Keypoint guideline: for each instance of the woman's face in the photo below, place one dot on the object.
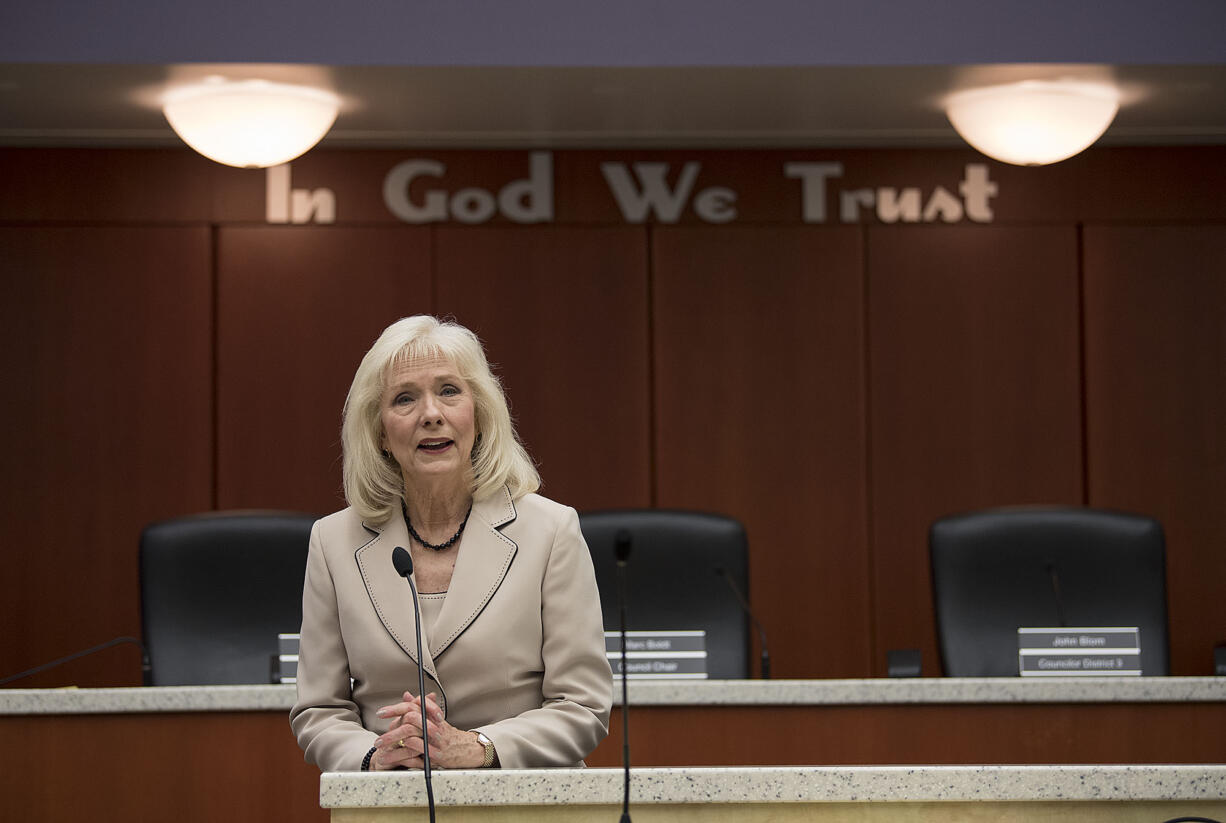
(429, 422)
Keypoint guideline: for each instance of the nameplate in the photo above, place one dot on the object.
(1079, 652)
(659, 655)
(285, 664)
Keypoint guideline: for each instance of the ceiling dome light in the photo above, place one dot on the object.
(1034, 122)
(250, 123)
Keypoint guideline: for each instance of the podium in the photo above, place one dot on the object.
(880, 794)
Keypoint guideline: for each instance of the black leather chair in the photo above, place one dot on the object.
(998, 570)
(216, 590)
(672, 578)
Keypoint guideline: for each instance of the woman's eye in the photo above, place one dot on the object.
(450, 391)
(402, 399)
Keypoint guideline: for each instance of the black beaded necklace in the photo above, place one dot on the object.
(438, 547)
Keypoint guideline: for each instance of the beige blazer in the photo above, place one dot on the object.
(517, 651)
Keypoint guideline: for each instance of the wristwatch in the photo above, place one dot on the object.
(490, 754)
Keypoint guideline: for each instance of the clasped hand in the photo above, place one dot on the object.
(402, 745)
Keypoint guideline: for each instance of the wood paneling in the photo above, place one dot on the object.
(1156, 408)
(563, 315)
(835, 386)
(759, 390)
(106, 348)
(975, 393)
(1150, 184)
(917, 734)
(297, 309)
(245, 766)
(192, 767)
(146, 186)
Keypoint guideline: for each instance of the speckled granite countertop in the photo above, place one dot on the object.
(799, 784)
(933, 690)
(147, 699)
(928, 690)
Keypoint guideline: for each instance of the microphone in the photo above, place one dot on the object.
(1052, 575)
(403, 562)
(621, 550)
(144, 660)
(765, 663)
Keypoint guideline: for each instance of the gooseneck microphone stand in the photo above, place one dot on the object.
(765, 667)
(403, 562)
(621, 550)
(144, 660)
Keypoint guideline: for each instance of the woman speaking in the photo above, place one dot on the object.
(513, 649)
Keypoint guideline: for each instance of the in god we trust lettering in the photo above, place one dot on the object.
(649, 194)
(891, 204)
(642, 192)
(283, 204)
(521, 201)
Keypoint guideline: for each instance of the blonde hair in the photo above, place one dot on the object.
(374, 485)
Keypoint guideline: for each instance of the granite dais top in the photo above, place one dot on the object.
(794, 784)
(933, 690)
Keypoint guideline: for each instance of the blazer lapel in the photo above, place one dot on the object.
(390, 595)
(484, 558)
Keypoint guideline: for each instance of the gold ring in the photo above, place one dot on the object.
(400, 743)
